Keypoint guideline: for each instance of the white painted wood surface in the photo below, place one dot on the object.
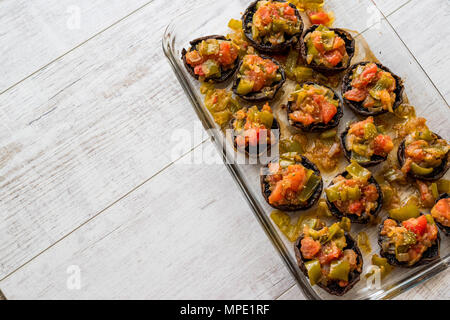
(79, 187)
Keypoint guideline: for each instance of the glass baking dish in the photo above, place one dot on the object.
(369, 25)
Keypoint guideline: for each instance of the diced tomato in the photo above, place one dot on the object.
(309, 247)
(198, 70)
(338, 43)
(295, 178)
(329, 252)
(416, 225)
(320, 17)
(193, 58)
(333, 57)
(264, 13)
(356, 94)
(358, 127)
(289, 11)
(328, 111)
(277, 193)
(304, 118)
(415, 150)
(383, 144)
(355, 207)
(369, 74)
(371, 192)
(442, 209)
(225, 57)
(317, 42)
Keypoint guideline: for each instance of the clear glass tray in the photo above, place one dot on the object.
(369, 24)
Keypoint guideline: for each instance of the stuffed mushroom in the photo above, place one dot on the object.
(314, 108)
(253, 130)
(211, 58)
(441, 213)
(423, 155)
(327, 50)
(291, 183)
(272, 26)
(329, 257)
(371, 89)
(410, 243)
(365, 143)
(354, 194)
(258, 78)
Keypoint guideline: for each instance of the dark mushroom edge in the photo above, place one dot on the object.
(318, 127)
(357, 106)
(374, 160)
(364, 218)
(225, 74)
(432, 254)
(444, 229)
(261, 148)
(349, 47)
(291, 40)
(267, 93)
(333, 287)
(437, 173)
(265, 188)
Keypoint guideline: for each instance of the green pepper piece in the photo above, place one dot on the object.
(314, 271)
(335, 231)
(430, 219)
(341, 242)
(290, 145)
(291, 62)
(364, 242)
(370, 131)
(332, 194)
(345, 224)
(382, 263)
(309, 188)
(426, 135)
(409, 239)
(244, 87)
(339, 270)
(421, 171)
(356, 171)
(312, 223)
(443, 186)
(353, 193)
(266, 118)
(359, 158)
(303, 73)
(212, 67)
(328, 134)
(434, 190)
(410, 210)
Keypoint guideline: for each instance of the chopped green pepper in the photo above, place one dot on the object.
(443, 186)
(353, 193)
(328, 134)
(310, 187)
(430, 219)
(382, 263)
(356, 171)
(345, 224)
(370, 131)
(314, 271)
(332, 194)
(364, 242)
(410, 210)
(421, 171)
(434, 190)
(245, 86)
(290, 145)
(339, 270)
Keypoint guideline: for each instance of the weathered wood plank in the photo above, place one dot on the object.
(389, 6)
(430, 45)
(136, 249)
(33, 33)
(84, 131)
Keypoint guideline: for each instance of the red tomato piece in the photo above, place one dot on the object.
(309, 247)
(416, 225)
(356, 94)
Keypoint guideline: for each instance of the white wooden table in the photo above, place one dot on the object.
(87, 180)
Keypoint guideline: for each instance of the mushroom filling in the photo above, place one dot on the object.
(326, 48)
(211, 56)
(353, 194)
(329, 261)
(273, 20)
(256, 74)
(441, 212)
(364, 140)
(372, 86)
(424, 151)
(290, 183)
(251, 126)
(312, 103)
(409, 240)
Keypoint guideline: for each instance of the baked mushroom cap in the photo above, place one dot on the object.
(225, 74)
(432, 254)
(265, 188)
(349, 47)
(267, 93)
(290, 40)
(437, 172)
(357, 106)
(333, 287)
(364, 218)
(260, 148)
(374, 160)
(444, 229)
(317, 127)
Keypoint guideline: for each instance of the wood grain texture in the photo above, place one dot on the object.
(430, 46)
(387, 7)
(144, 247)
(85, 131)
(33, 33)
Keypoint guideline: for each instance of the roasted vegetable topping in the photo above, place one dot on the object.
(424, 151)
(372, 86)
(257, 73)
(353, 194)
(326, 48)
(290, 182)
(382, 263)
(365, 139)
(273, 20)
(211, 56)
(251, 125)
(329, 260)
(220, 103)
(441, 212)
(313, 103)
(409, 240)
